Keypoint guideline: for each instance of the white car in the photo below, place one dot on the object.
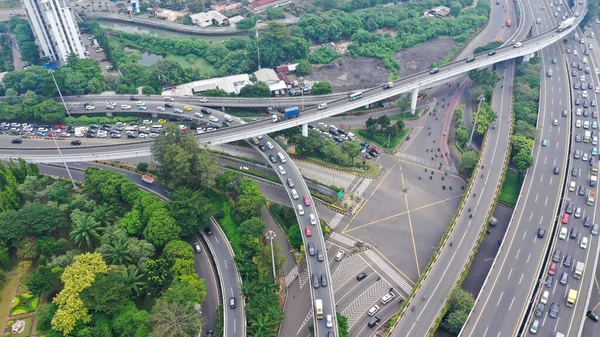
(313, 219)
(203, 100)
(584, 242)
(374, 309)
(586, 124)
(534, 327)
(179, 111)
(575, 52)
(143, 135)
(146, 122)
(198, 114)
(125, 107)
(555, 122)
(213, 119)
(563, 233)
(160, 108)
(140, 103)
(329, 321)
(90, 107)
(578, 123)
(102, 134)
(322, 106)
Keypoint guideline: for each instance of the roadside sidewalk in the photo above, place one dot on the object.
(280, 239)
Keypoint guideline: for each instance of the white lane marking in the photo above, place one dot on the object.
(499, 299)
(511, 303)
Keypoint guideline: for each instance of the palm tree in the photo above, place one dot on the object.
(85, 228)
(135, 279)
(118, 252)
(261, 325)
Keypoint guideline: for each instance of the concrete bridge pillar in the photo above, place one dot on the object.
(223, 108)
(109, 114)
(413, 101)
(305, 130)
(154, 115)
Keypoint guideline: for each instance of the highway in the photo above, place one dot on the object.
(421, 79)
(287, 171)
(506, 293)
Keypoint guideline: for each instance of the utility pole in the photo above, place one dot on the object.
(59, 93)
(270, 235)
(257, 46)
(481, 99)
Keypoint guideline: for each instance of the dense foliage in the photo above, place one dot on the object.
(326, 149)
(25, 39)
(6, 56)
(459, 305)
(525, 107)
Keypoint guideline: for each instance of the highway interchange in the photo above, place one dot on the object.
(557, 137)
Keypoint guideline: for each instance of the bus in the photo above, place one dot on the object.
(319, 308)
(571, 298)
(355, 95)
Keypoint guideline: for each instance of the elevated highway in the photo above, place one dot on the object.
(409, 84)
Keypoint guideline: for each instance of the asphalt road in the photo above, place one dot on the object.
(304, 207)
(506, 293)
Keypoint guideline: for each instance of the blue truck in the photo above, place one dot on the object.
(288, 113)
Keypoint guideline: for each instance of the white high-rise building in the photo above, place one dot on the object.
(54, 28)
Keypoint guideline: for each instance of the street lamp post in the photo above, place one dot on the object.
(59, 93)
(270, 235)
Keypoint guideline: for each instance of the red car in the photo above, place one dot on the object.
(565, 218)
(307, 231)
(568, 51)
(552, 269)
(573, 73)
(306, 200)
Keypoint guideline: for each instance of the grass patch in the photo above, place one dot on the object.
(228, 224)
(86, 120)
(6, 294)
(510, 189)
(196, 63)
(24, 303)
(380, 138)
(10, 4)
(370, 170)
(28, 325)
(403, 116)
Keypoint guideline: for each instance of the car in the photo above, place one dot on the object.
(564, 278)
(313, 219)
(568, 51)
(567, 261)
(329, 321)
(573, 72)
(565, 218)
(595, 229)
(554, 60)
(575, 172)
(585, 156)
(594, 123)
(470, 59)
(213, 119)
(134, 98)
(203, 100)
(549, 281)
(290, 183)
(300, 210)
(140, 103)
(434, 71)
(76, 142)
(555, 122)
(179, 111)
(517, 45)
(197, 247)
(322, 106)
(577, 154)
(272, 159)
(16, 141)
(262, 148)
(90, 107)
(594, 151)
(556, 256)
(554, 309)
(587, 222)
(564, 113)
(207, 230)
(168, 105)
(187, 108)
(307, 231)
(578, 123)
(556, 170)
(323, 276)
(142, 107)
(578, 138)
(563, 233)
(125, 107)
(577, 213)
(374, 309)
(232, 302)
(539, 310)
(581, 190)
(361, 276)
(586, 113)
(592, 315)
(306, 200)
(576, 86)
(320, 256)
(584, 243)
(545, 142)
(162, 121)
(534, 327)
(491, 53)
(198, 114)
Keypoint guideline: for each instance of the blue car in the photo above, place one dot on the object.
(545, 142)
(41, 134)
(142, 107)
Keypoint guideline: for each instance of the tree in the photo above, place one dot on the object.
(109, 293)
(216, 93)
(250, 200)
(161, 228)
(117, 253)
(455, 321)
(264, 261)
(342, 322)
(458, 114)
(39, 281)
(260, 89)
(142, 166)
(85, 229)
(484, 76)
(159, 275)
(523, 161)
(196, 6)
(131, 322)
(177, 249)
(303, 68)
(253, 227)
(520, 144)
(183, 292)
(522, 128)
(455, 8)
(370, 122)
(352, 148)
(76, 277)
(321, 88)
(132, 224)
(43, 317)
(275, 13)
(175, 319)
(180, 161)
(41, 218)
(460, 300)
(383, 121)
(461, 135)
(191, 210)
(468, 162)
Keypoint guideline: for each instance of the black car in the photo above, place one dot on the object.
(207, 230)
(16, 141)
(93, 126)
(210, 333)
(272, 159)
(205, 111)
(134, 98)
(168, 105)
(361, 276)
(493, 52)
(592, 315)
(556, 170)
(587, 222)
(541, 232)
(227, 123)
(76, 142)
(263, 148)
(131, 136)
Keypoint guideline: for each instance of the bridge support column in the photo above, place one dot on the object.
(413, 101)
(305, 130)
(223, 108)
(109, 114)
(154, 115)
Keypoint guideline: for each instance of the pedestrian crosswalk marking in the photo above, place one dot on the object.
(291, 276)
(365, 301)
(342, 239)
(303, 277)
(308, 318)
(388, 271)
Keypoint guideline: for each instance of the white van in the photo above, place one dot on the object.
(281, 170)
(281, 158)
(351, 136)
(545, 296)
(228, 118)
(331, 127)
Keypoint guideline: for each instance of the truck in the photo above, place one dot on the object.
(591, 197)
(148, 179)
(291, 112)
(319, 308)
(565, 24)
(593, 181)
(595, 169)
(571, 298)
(508, 22)
(579, 267)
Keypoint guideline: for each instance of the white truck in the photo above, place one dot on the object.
(319, 308)
(579, 267)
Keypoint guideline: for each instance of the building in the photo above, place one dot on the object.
(230, 84)
(54, 27)
(271, 79)
(134, 6)
(439, 11)
(209, 18)
(261, 5)
(235, 19)
(287, 68)
(169, 15)
(223, 9)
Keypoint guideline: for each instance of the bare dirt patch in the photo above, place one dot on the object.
(347, 73)
(420, 57)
